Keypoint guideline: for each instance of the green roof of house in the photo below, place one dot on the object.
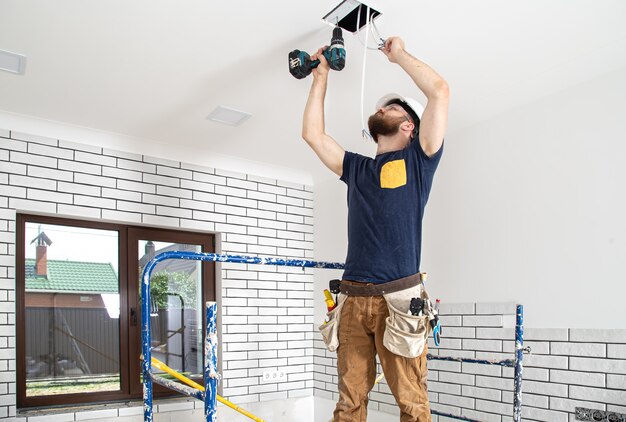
(73, 276)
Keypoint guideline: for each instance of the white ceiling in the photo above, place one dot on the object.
(154, 69)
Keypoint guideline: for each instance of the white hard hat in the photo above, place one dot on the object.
(413, 104)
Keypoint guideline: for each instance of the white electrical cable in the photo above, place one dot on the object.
(377, 34)
(358, 23)
(372, 26)
(364, 132)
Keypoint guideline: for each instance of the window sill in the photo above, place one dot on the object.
(106, 410)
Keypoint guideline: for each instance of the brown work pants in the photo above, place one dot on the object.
(361, 329)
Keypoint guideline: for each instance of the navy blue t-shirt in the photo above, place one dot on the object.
(386, 200)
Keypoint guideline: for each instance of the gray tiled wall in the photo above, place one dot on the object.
(267, 311)
(565, 369)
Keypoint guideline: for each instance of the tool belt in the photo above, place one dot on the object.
(405, 334)
(354, 288)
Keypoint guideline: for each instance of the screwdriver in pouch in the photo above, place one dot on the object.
(328, 298)
(436, 324)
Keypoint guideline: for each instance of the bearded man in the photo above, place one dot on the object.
(387, 196)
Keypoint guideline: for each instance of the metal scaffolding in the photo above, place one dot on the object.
(208, 393)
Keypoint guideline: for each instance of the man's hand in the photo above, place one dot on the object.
(393, 49)
(322, 69)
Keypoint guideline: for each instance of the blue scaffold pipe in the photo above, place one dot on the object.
(146, 353)
(210, 363)
(197, 256)
(505, 362)
(519, 368)
(451, 416)
(242, 259)
(178, 387)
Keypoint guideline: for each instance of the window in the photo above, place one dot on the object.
(71, 310)
(78, 308)
(177, 302)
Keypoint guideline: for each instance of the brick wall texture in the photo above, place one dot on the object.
(567, 368)
(267, 311)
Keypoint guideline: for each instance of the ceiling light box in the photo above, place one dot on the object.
(350, 12)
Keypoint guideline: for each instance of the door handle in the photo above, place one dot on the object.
(133, 317)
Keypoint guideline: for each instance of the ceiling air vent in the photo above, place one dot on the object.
(11, 62)
(228, 116)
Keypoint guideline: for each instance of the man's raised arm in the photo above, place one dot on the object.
(313, 128)
(435, 117)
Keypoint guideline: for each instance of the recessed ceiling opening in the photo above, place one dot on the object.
(349, 13)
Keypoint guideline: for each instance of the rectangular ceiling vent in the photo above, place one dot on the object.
(349, 13)
(11, 62)
(228, 116)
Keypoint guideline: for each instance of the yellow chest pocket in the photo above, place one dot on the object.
(393, 174)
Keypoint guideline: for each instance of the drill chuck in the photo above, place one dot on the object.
(337, 39)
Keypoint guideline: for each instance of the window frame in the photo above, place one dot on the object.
(128, 388)
(208, 272)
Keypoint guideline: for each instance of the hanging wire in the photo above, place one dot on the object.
(364, 133)
(372, 26)
(377, 34)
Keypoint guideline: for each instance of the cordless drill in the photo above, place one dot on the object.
(301, 65)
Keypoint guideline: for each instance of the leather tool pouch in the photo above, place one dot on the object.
(405, 334)
(330, 328)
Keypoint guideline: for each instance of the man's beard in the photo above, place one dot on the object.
(385, 126)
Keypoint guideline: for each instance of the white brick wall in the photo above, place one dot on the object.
(267, 311)
(566, 369)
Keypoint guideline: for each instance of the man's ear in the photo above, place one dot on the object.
(407, 126)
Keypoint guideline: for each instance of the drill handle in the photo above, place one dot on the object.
(336, 58)
(314, 63)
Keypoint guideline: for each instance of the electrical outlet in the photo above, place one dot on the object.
(274, 376)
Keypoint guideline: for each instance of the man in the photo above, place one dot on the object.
(386, 200)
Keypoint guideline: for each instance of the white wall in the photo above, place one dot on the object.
(528, 207)
(331, 235)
